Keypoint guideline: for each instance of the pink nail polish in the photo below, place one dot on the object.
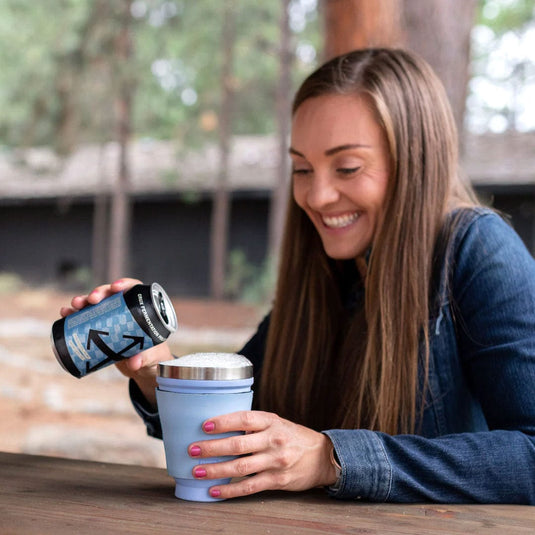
(209, 426)
(199, 472)
(215, 493)
(195, 451)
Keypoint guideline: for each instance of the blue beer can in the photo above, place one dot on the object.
(118, 327)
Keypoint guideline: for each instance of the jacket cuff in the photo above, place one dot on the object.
(150, 417)
(366, 470)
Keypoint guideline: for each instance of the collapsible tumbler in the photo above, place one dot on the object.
(191, 390)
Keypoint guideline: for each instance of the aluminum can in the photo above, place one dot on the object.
(118, 327)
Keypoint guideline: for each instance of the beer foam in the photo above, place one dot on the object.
(211, 360)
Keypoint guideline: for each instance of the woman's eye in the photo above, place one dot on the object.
(347, 170)
(300, 171)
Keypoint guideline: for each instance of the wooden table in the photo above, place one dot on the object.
(48, 495)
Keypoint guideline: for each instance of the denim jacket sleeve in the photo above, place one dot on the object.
(493, 302)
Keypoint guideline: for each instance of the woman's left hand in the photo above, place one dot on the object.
(274, 453)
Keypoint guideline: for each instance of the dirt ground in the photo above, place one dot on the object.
(44, 410)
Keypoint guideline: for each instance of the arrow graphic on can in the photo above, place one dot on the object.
(96, 337)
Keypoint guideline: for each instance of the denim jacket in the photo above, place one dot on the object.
(476, 440)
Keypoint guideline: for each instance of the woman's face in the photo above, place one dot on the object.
(340, 171)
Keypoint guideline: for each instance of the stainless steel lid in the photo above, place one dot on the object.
(207, 366)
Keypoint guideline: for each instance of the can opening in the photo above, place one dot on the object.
(161, 306)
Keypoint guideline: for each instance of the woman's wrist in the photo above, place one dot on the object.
(147, 387)
(329, 471)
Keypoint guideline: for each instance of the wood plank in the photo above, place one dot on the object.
(47, 495)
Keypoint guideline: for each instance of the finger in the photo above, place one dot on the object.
(78, 302)
(229, 446)
(121, 285)
(122, 367)
(249, 421)
(99, 293)
(240, 467)
(250, 485)
(65, 311)
(144, 364)
(131, 365)
(106, 290)
(150, 357)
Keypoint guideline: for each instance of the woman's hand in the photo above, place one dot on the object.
(275, 453)
(140, 367)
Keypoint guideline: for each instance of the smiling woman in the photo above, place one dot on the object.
(398, 361)
(385, 117)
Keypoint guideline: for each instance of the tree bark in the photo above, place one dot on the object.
(99, 243)
(119, 254)
(354, 24)
(221, 198)
(283, 105)
(440, 32)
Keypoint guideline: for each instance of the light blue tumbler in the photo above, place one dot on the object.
(191, 390)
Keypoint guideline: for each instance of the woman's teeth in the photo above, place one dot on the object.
(340, 221)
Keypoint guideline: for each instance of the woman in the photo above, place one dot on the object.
(398, 362)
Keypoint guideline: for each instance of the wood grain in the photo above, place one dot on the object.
(47, 495)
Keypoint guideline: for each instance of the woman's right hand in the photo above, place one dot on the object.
(141, 367)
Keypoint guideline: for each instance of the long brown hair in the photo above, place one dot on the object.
(324, 366)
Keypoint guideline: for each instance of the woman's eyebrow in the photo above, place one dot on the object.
(297, 153)
(334, 150)
(349, 146)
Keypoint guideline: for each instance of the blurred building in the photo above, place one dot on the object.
(49, 233)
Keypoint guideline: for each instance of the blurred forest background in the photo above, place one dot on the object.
(149, 138)
(123, 76)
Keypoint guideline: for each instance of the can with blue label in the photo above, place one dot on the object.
(118, 327)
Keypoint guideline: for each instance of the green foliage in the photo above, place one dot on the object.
(60, 74)
(30, 53)
(248, 283)
(505, 15)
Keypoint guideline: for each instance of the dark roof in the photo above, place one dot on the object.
(156, 167)
(159, 167)
(500, 159)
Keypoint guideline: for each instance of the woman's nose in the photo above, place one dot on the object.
(322, 192)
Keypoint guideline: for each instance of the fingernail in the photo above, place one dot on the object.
(199, 472)
(118, 281)
(195, 451)
(215, 493)
(209, 426)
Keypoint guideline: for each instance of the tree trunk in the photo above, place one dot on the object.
(120, 217)
(99, 245)
(221, 200)
(355, 24)
(440, 32)
(283, 105)
(69, 81)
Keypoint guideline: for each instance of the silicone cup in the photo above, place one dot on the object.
(183, 406)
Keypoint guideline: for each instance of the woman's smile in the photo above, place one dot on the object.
(339, 221)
